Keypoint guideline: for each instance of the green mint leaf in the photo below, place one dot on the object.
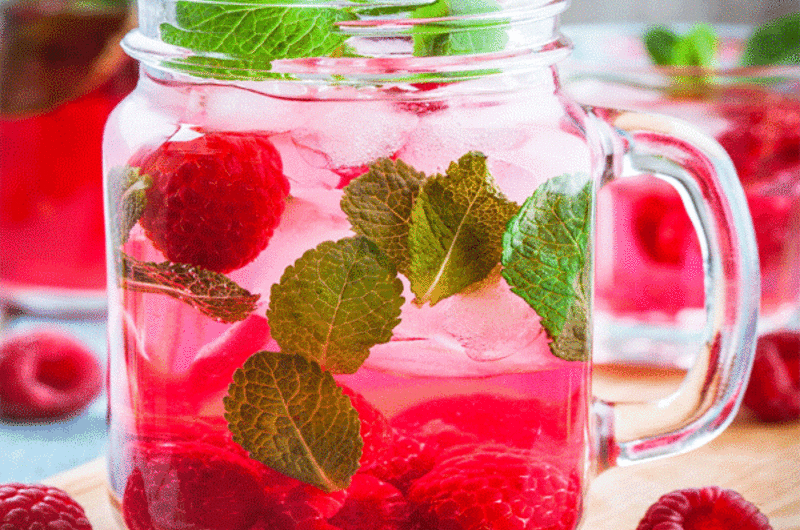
(545, 260)
(457, 225)
(336, 302)
(292, 416)
(696, 48)
(254, 35)
(659, 42)
(209, 292)
(378, 205)
(457, 37)
(776, 42)
(128, 199)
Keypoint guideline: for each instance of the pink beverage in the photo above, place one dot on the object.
(62, 73)
(464, 383)
(653, 272)
(352, 282)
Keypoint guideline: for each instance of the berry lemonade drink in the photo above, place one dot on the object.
(61, 73)
(317, 311)
(352, 278)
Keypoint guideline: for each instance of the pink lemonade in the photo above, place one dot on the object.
(655, 268)
(62, 74)
(278, 361)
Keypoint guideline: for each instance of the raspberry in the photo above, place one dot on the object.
(403, 462)
(515, 422)
(371, 505)
(215, 200)
(773, 393)
(32, 506)
(46, 375)
(663, 229)
(709, 508)
(300, 506)
(192, 486)
(493, 486)
(375, 429)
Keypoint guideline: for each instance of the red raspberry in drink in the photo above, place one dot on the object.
(215, 200)
(773, 393)
(495, 486)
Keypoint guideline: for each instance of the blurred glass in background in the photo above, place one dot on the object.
(62, 71)
(746, 94)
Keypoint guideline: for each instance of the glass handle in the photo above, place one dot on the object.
(710, 394)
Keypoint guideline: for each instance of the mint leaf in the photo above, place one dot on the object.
(776, 42)
(209, 292)
(457, 225)
(378, 205)
(128, 199)
(457, 37)
(659, 42)
(545, 260)
(293, 417)
(254, 35)
(336, 302)
(696, 48)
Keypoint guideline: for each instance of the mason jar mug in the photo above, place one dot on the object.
(350, 264)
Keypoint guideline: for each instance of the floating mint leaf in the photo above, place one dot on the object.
(457, 36)
(128, 199)
(293, 417)
(456, 231)
(209, 292)
(254, 35)
(776, 42)
(378, 205)
(697, 48)
(336, 302)
(659, 42)
(545, 260)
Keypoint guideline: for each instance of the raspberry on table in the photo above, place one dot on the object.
(46, 375)
(34, 506)
(496, 486)
(773, 392)
(708, 508)
(215, 200)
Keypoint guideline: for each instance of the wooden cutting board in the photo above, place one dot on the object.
(762, 462)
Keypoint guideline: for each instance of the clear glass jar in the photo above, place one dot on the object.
(347, 272)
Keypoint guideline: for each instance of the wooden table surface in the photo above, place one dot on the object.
(760, 461)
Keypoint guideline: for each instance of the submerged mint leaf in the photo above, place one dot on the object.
(659, 42)
(378, 205)
(209, 292)
(128, 199)
(546, 260)
(457, 37)
(776, 42)
(336, 302)
(254, 35)
(457, 225)
(292, 416)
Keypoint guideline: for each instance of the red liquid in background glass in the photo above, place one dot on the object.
(51, 128)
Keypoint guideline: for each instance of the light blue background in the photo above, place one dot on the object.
(31, 453)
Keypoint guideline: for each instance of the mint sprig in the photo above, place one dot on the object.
(335, 303)
(128, 199)
(211, 293)
(698, 47)
(292, 416)
(254, 35)
(378, 205)
(776, 42)
(546, 260)
(457, 37)
(456, 230)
